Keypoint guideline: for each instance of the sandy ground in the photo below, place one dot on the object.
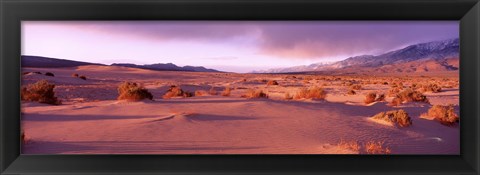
(91, 120)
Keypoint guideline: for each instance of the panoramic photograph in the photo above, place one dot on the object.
(240, 87)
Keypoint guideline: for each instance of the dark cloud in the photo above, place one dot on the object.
(290, 39)
(330, 39)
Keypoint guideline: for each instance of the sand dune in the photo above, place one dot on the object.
(92, 121)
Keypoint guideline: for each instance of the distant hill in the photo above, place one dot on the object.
(423, 57)
(45, 62)
(166, 67)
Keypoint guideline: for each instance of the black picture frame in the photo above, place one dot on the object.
(14, 11)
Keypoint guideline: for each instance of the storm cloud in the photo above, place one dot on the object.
(289, 39)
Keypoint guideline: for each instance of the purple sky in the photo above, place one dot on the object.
(238, 46)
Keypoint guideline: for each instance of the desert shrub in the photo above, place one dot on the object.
(396, 85)
(227, 91)
(49, 74)
(351, 92)
(409, 95)
(352, 145)
(347, 83)
(311, 93)
(356, 87)
(133, 92)
(370, 147)
(370, 97)
(41, 92)
(83, 77)
(187, 94)
(288, 96)
(449, 84)
(251, 93)
(200, 93)
(392, 92)
(380, 97)
(75, 75)
(400, 84)
(272, 82)
(373, 147)
(444, 114)
(414, 85)
(398, 117)
(396, 101)
(430, 88)
(176, 91)
(212, 91)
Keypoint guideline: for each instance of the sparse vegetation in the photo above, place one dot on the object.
(187, 94)
(83, 77)
(373, 147)
(272, 82)
(212, 91)
(396, 101)
(380, 97)
(200, 93)
(133, 92)
(176, 91)
(251, 93)
(288, 96)
(49, 74)
(356, 87)
(41, 91)
(352, 145)
(370, 97)
(444, 114)
(430, 88)
(351, 92)
(392, 92)
(314, 92)
(227, 91)
(409, 95)
(75, 75)
(398, 117)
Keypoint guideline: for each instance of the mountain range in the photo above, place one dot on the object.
(167, 67)
(424, 57)
(431, 56)
(45, 62)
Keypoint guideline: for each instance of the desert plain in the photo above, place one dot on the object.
(92, 120)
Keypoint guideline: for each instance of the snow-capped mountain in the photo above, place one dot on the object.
(436, 51)
(303, 68)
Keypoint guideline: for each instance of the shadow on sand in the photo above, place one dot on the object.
(125, 147)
